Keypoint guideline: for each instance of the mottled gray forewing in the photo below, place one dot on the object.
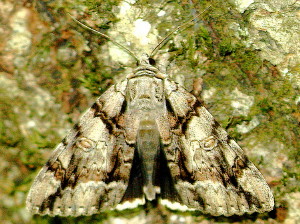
(210, 171)
(89, 170)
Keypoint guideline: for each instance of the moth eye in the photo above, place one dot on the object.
(85, 144)
(152, 61)
(209, 143)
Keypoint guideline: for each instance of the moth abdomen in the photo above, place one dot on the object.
(148, 143)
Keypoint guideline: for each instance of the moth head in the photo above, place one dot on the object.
(146, 60)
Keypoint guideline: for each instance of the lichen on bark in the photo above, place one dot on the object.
(52, 70)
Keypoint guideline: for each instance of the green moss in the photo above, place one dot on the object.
(10, 133)
(229, 65)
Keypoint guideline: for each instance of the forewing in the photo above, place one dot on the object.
(210, 171)
(89, 170)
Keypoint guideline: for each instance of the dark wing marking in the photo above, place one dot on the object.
(211, 173)
(89, 170)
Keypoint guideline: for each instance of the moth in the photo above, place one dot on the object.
(147, 138)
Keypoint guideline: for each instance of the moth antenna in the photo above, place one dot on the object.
(106, 36)
(165, 40)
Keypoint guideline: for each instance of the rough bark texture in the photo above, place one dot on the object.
(242, 56)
